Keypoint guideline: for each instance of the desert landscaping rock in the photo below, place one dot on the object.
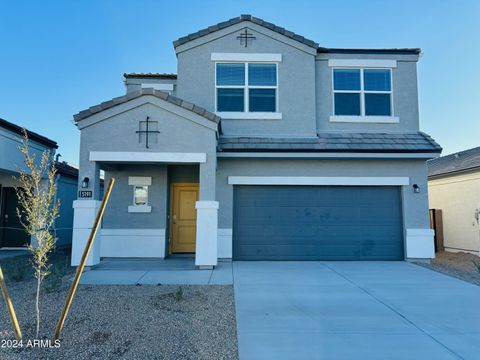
(128, 322)
(459, 265)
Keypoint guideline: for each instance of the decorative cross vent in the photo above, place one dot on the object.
(245, 37)
(147, 130)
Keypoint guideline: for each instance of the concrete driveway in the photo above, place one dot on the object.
(354, 310)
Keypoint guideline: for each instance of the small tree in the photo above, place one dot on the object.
(37, 211)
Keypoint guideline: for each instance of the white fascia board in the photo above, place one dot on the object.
(316, 180)
(163, 87)
(161, 157)
(363, 63)
(258, 57)
(140, 180)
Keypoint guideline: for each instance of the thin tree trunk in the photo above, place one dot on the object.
(37, 302)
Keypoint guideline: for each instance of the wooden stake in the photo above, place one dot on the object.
(78, 274)
(11, 310)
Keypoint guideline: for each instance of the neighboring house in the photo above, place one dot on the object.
(264, 146)
(454, 188)
(12, 235)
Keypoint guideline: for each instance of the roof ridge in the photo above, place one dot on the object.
(146, 91)
(244, 17)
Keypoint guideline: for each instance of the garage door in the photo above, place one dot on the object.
(317, 223)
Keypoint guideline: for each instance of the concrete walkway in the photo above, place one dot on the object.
(354, 310)
(172, 271)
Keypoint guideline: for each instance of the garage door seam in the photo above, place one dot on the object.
(395, 311)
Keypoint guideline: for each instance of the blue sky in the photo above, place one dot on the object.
(59, 57)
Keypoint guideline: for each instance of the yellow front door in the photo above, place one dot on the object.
(183, 217)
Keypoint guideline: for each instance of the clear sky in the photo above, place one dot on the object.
(60, 57)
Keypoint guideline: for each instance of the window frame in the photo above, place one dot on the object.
(246, 101)
(363, 117)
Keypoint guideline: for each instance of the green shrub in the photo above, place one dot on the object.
(54, 280)
(178, 294)
(16, 269)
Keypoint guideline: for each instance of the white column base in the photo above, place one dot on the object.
(206, 247)
(420, 244)
(84, 215)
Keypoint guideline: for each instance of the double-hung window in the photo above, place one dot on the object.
(246, 87)
(362, 92)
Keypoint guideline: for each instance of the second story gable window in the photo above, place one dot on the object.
(362, 92)
(246, 87)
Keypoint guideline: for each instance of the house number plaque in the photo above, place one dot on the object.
(85, 194)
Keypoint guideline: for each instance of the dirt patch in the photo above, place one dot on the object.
(460, 265)
(127, 322)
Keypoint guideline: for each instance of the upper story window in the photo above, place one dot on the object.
(362, 92)
(246, 87)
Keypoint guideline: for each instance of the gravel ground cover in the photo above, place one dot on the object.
(126, 322)
(460, 265)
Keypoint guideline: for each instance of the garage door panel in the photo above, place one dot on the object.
(317, 223)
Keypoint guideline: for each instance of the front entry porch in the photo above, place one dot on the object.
(160, 206)
(176, 270)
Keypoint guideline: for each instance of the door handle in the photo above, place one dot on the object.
(174, 219)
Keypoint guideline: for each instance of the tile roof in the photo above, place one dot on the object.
(66, 169)
(239, 19)
(31, 135)
(149, 75)
(460, 161)
(146, 91)
(337, 142)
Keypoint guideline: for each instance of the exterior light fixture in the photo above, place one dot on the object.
(416, 188)
(85, 182)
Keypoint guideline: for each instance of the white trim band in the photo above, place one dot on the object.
(246, 57)
(363, 63)
(314, 180)
(162, 87)
(161, 157)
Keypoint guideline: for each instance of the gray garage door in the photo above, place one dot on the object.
(317, 223)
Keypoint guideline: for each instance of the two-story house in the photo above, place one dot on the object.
(264, 146)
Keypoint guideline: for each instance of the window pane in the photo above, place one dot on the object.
(231, 74)
(347, 104)
(346, 79)
(377, 80)
(262, 74)
(141, 195)
(377, 104)
(262, 100)
(230, 99)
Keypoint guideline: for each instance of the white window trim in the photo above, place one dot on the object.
(365, 63)
(362, 118)
(365, 119)
(316, 180)
(140, 180)
(248, 114)
(139, 209)
(242, 57)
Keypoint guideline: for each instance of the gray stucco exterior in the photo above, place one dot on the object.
(359, 153)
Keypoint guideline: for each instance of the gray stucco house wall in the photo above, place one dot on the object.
(300, 145)
(11, 163)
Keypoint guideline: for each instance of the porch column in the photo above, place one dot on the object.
(207, 218)
(85, 211)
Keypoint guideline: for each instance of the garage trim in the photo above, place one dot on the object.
(317, 180)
